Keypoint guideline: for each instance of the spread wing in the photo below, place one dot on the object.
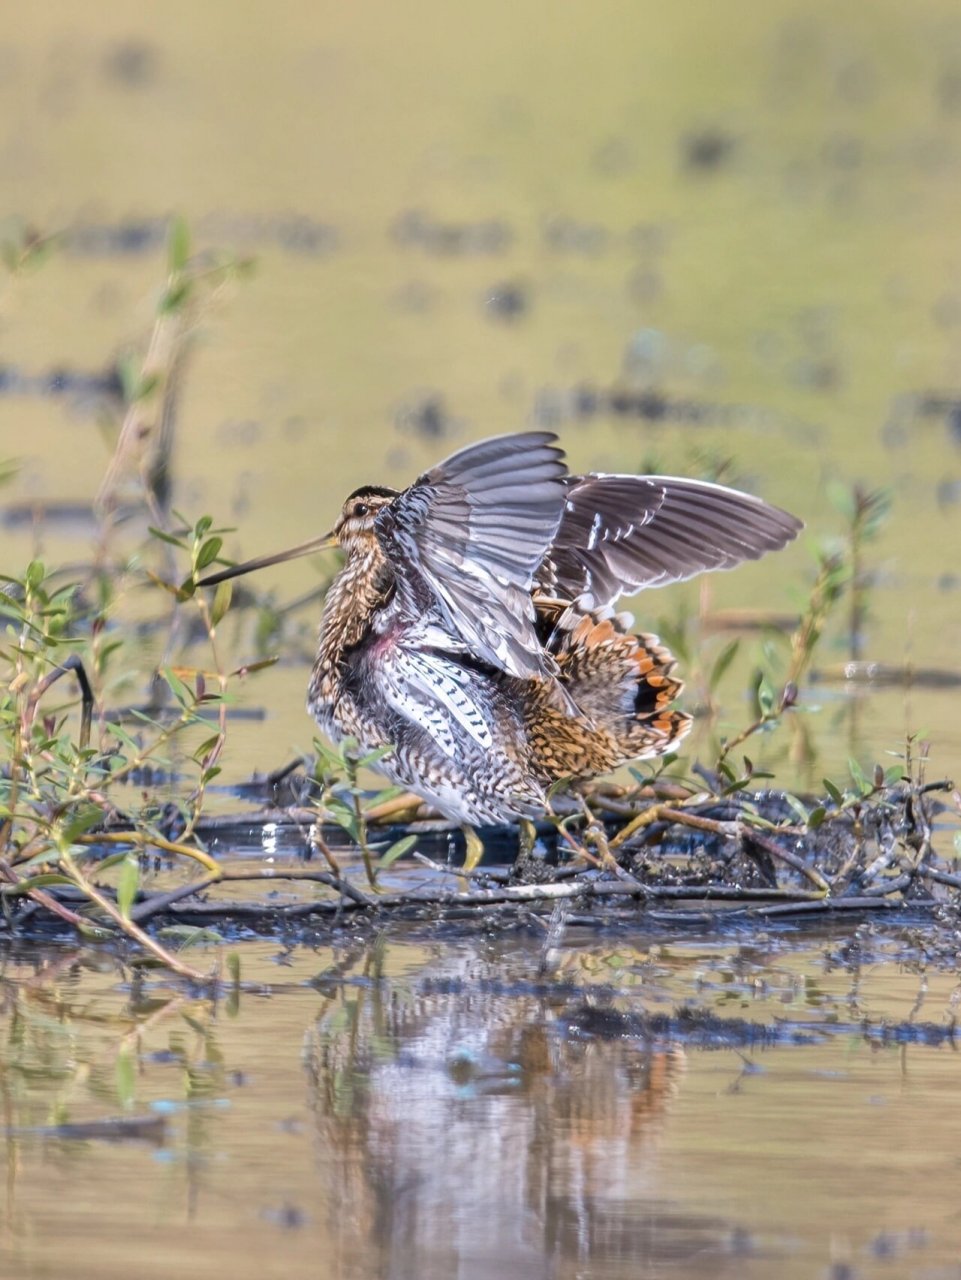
(473, 531)
(621, 533)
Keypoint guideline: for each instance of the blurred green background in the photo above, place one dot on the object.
(678, 235)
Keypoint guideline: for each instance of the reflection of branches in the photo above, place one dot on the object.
(74, 1067)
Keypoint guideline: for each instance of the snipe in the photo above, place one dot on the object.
(472, 627)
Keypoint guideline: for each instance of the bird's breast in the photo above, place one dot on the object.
(401, 672)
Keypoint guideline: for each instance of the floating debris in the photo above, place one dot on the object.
(60, 381)
(116, 239)
(881, 673)
(707, 149)
(132, 64)
(554, 406)
(911, 406)
(568, 235)
(425, 415)
(76, 516)
(507, 301)
(294, 233)
(152, 1129)
(417, 229)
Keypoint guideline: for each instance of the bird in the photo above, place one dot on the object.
(471, 631)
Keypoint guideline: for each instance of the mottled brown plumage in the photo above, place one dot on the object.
(622, 686)
(471, 628)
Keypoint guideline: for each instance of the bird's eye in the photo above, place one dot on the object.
(361, 509)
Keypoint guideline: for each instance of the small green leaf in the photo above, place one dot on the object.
(205, 748)
(328, 757)
(766, 697)
(180, 691)
(374, 757)
(46, 856)
(345, 817)
(737, 785)
(43, 881)
(80, 822)
(166, 537)
(189, 935)
(178, 244)
(800, 809)
(857, 776)
(209, 552)
(221, 602)
(174, 297)
(754, 819)
(397, 850)
(833, 791)
(816, 817)
(110, 647)
(128, 883)
(724, 660)
(382, 797)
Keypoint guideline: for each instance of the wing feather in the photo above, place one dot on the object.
(473, 530)
(621, 533)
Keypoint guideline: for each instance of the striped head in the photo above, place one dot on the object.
(354, 530)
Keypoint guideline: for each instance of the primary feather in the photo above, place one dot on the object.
(474, 530)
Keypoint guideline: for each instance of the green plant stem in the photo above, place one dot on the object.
(213, 754)
(770, 717)
(362, 838)
(144, 840)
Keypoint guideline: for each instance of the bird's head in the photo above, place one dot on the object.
(354, 530)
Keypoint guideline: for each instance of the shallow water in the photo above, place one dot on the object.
(675, 235)
(423, 1106)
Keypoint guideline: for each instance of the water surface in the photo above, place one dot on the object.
(422, 1106)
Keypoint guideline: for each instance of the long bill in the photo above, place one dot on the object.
(262, 562)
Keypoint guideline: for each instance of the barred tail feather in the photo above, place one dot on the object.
(621, 683)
